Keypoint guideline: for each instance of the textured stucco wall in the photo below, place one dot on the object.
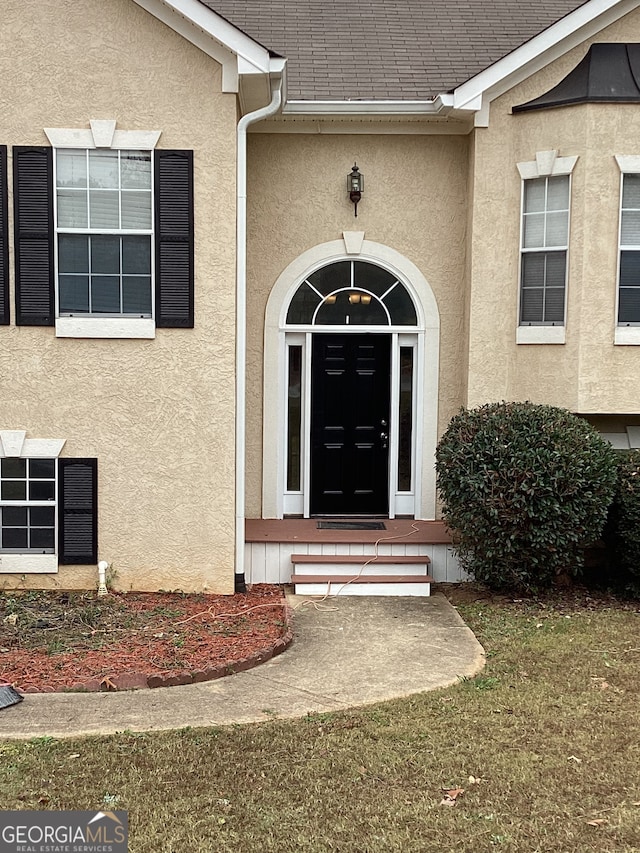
(414, 202)
(159, 414)
(587, 373)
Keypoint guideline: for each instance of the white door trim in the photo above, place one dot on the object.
(277, 335)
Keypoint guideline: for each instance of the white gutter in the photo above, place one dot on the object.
(441, 104)
(241, 304)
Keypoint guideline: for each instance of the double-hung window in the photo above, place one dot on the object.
(104, 234)
(544, 248)
(104, 224)
(27, 505)
(545, 235)
(629, 278)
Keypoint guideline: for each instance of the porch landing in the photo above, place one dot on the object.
(270, 545)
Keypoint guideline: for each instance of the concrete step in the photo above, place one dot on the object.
(361, 564)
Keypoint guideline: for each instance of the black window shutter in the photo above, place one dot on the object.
(33, 225)
(5, 314)
(174, 238)
(78, 512)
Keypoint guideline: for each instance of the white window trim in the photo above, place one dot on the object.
(546, 165)
(629, 164)
(14, 443)
(102, 133)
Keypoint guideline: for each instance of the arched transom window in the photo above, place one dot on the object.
(352, 293)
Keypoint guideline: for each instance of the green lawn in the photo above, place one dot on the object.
(545, 743)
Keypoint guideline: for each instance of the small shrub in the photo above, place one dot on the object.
(623, 527)
(525, 488)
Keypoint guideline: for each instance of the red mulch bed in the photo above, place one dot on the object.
(52, 641)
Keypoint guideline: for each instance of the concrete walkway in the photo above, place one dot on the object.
(347, 651)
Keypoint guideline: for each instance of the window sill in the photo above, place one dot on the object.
(26, 564)
(540, 335)
(105, 327)
(627, 336)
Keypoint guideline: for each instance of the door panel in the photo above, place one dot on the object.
(350, 378)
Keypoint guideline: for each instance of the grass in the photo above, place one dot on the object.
(545, 743)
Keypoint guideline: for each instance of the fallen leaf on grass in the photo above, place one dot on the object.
(451, 795)
(475, 780)
(107, 683)
(600, 821)
(573, 758)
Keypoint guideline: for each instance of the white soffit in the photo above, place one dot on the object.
(214, 36)
(565, 34)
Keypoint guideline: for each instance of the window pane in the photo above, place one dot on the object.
(41, 491)
(558, 193)
(104, 209)
(533, 231)
(105, 255)
(73, 293)
(73, 253)
(103, 169)
(41, 516)
(294, 416)
(332, 277)
(556, 265)
(405, 419)
(136, 210)
(373, 278)
(400, 306)
(366, 314)
(630, 230)
(554, 305)
(72, 209)
(42, 468)
(13, 467)
(629, 269)
(14, 537)
(557, 229)
(629, 308)
(13, 490)
(14, 516)
(533, 269)
(136, 294)
(136, 255)
(531, 305)
(105, 294)
(302, 305)
(71, 168)
(631, 191)
(534, 194)
(135, 170)
(42, 537)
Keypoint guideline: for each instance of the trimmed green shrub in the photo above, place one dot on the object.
(623, 527)
(525, 488)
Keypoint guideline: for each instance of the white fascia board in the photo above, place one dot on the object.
(438, 106)
(557, 39)
(213, 35)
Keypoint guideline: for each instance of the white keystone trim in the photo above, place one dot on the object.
(105, 327)
(353, 241)
(13, 443)
(547, 164)
(96, 136)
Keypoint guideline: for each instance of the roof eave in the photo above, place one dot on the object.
(438, 106)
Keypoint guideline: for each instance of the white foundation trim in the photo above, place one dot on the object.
(427, 331)
(540, 335)
(105, 327)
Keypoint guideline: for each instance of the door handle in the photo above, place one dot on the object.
(384, 438)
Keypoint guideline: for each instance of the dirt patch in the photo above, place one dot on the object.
(562, 599)
(54, 641)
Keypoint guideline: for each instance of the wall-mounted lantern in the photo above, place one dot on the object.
(355, 186)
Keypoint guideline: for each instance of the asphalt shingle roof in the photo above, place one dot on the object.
(380, 49)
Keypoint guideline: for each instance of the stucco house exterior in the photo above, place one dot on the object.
(205, 342)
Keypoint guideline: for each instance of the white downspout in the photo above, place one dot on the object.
(241, 316)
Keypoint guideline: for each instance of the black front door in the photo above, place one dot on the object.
(350, 379)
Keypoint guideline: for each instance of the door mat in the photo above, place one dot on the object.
(351, 525)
